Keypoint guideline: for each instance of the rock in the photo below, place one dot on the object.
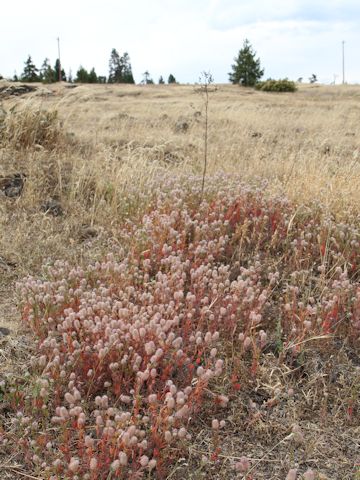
(87, 233)
(4, 331)
(13, 192)
(182, 126)
(52, 207)
(326, 150)
(6, 264)
(256, 135)
(12, 185)
(171, 158)
(16, 90)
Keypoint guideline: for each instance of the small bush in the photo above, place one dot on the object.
(270, 85)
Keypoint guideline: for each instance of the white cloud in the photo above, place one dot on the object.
(225, 14)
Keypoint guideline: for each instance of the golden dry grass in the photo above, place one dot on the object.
(108, 140)
(111, 137)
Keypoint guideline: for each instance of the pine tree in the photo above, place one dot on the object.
(127, 76)
(147, 79)
(161, 80)
(171, 78)
(246, 69)
(120, 68)
(114, 66)
(92, 78)
(30, 73)
(82, 75)
(47, 73)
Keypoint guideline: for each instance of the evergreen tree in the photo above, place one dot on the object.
(114, 66)
(30, 73)
(246, 69)
(120, 68)
(92, 78)
(171, 78)
(313, 78)
(82, 75)
(161, 80)
(127, 76)
(47, 73)
(56, 71)
(147, 79)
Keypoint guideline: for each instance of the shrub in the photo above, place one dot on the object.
(282, 85)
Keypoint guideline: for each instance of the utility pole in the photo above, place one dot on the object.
(343, 61)
(58, 40)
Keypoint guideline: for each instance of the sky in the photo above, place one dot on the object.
(292, 38)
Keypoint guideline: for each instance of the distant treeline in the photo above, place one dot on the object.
(245, 71)
(120, 71)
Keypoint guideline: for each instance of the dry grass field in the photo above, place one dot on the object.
(258, 277)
